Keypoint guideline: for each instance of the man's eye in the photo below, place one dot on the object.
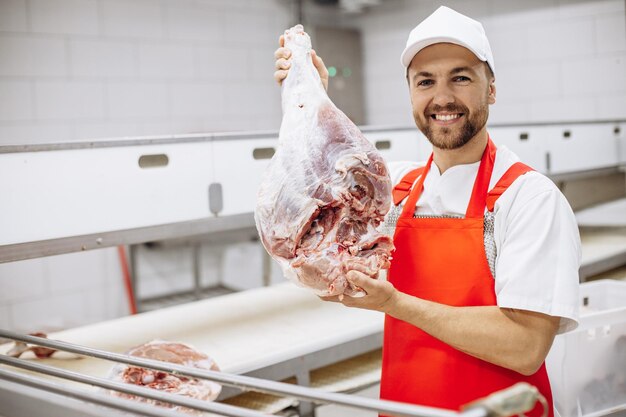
(424, 83)
(461, 78)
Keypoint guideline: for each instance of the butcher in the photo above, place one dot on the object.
(485, 270)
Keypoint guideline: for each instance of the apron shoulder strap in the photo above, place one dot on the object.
(514, 172)
(403, 188)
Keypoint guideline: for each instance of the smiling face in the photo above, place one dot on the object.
(451, 90)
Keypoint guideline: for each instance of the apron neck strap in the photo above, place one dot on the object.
(409, 206)
(476, 207)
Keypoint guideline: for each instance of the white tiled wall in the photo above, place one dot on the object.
(61, 291)
(82, 69)
(556, 60)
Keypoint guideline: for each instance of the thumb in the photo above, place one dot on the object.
(359, 279)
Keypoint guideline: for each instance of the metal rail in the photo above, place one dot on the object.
(94, 397)
(239, 381)
(222, 136)
(214, 407)
(186, 229)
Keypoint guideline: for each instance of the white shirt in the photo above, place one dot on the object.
(535, 231)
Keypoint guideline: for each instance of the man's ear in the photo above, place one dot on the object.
(492, 91)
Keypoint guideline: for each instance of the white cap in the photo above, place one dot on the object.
(447, 25)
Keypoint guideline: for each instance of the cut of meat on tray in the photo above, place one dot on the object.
(172, 352)
(325, 191)
(39, 351)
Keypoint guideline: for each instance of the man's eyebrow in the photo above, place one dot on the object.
(458, 70)
(425, 74)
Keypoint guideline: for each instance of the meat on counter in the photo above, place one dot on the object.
(172, 352)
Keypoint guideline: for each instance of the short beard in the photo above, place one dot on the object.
(445, 138)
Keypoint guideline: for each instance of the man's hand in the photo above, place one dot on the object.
(282, 56)
(515, 339)
(379, 295)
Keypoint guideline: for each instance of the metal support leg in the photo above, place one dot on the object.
(305, 408)
(134, 273)
(197, 270)
(266, 261)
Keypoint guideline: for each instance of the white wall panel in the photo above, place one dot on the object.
(190, 22)
(547, 84)
(5, 317)
(530, 150)
(64, 16)
(611, 106)
(404, 145)
(132, 18)
(75, 271)
(562, 109)
(13, 17)
(239, 173)
(165, 60)
(509, 111)
(16, 100)
(11, 133)
(138, 100)
(507, 40)
(140, 51)
(572, 9)
(267, 94)
(220, 63)
(28, 316)
(587, 147)
(572, 37)
(245, 28)
(507, 14)
(22, 280)
(198, 100)
(63, 100)
(83, 191)
(610, 33)
(102, 58)
(24, 56)
(594, 77)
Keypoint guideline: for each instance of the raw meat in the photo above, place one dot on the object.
(178, 353)
(325, 191)
(40, 352)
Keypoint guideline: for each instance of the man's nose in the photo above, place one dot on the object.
(443, 95)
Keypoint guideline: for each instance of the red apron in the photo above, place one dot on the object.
(443, 260)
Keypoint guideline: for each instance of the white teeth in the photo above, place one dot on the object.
(447, 116)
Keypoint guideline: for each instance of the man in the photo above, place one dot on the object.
(485, 271)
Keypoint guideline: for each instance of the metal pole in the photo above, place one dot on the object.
(222, 409)
(134, 274)
(196, 259)
(249, 383)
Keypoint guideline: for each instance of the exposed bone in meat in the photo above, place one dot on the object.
(39, 351)
(177, 353)
(326, 189)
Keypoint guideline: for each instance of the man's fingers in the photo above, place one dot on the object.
(280, 75)
(281, 40)
(333, 298)
(319, 63)
(321, 68)
(360, 280)
(282, 63)
(282, 53)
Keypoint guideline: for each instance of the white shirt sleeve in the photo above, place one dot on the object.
(538, 250)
